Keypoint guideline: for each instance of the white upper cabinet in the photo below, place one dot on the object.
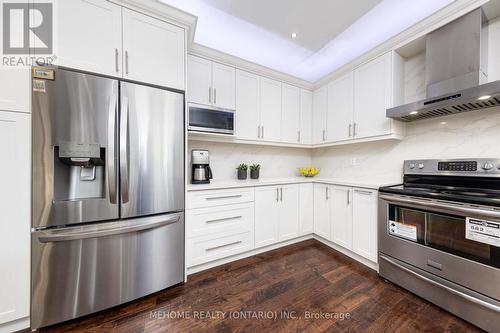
(15, 129)
(89, 36)
(247, 117)
(340, 108)
(306, 115)
(270, 110)
(100, 37)
(154, 51)
(322, 199)
(365, 223)
(15, 89)
(320, 108)
(199, 80)
(341, 215)
(373, 95)
(211, 83)
(290, 115)
(223, 85)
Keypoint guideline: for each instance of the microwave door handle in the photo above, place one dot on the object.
(111, 152)
(124, 142)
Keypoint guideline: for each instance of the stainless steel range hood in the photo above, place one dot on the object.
(456, 67)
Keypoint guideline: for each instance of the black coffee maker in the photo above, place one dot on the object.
(200, 168)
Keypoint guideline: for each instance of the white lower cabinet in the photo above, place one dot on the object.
(276, 214)
(347, 217)
(364, 215)
(15, 129)
(306, 209)
(322, 224)
(341, 216)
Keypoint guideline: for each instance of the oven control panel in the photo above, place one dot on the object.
(481, 167)
(458, 166)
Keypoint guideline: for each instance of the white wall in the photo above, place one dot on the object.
(275, 161)
(473, 134)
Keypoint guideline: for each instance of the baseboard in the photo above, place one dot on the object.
(16, 325)
(358, 258)
(215, 263)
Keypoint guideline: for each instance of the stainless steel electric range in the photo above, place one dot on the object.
(439, 236)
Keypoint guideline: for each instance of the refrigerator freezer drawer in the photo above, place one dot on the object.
(80, 270)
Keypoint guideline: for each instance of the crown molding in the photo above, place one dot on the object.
(212, 54)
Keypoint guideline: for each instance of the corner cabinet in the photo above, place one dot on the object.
(353, 106)
(276, 214)
(114, 44)
(347, 217)
(15, 225)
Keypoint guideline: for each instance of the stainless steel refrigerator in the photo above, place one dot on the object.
(108, 193)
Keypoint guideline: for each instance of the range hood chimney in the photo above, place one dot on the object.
(455, 73)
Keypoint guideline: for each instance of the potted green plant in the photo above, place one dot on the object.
(254, 171)
(242, 171)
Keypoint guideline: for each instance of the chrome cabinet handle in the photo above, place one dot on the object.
(221, 246)
(298, 136)
(258, 132)
(262, 137)
(126, 62)
(117, 69)
(224, 219)
(70, 236)
(348, 197)
(225, 197)
(281, 194)
(215, 95)
(323, 135)
(350, 130)
(210, 95)
(326, 192)
(124, 157)
(363, 192)
(111, 153)
(355, 129)
(277, 194)
(470, 298)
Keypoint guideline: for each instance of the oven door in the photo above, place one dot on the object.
(210, 120)
(454, 241)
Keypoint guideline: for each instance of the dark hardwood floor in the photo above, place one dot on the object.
(303, 278)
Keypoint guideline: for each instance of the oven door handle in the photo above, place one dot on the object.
(470, 298)
(450, 208)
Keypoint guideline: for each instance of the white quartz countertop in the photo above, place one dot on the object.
(234, 183)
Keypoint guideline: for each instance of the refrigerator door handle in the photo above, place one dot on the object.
(106, 231)
(124, 142)
(111, 153)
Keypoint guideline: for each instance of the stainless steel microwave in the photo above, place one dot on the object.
(209, 119)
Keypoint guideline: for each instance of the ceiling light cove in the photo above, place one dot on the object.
(261, 31)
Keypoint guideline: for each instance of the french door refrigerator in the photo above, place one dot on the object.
(108, 193)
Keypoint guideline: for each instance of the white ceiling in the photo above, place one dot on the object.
(316, 22)
(331, 33)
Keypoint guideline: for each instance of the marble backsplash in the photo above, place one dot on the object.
(276, 162)
(468, 135)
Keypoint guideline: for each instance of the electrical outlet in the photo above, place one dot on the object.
(354, 162)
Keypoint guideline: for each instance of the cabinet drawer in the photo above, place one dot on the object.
(211, 198)
(201, 250)
(220, 219)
